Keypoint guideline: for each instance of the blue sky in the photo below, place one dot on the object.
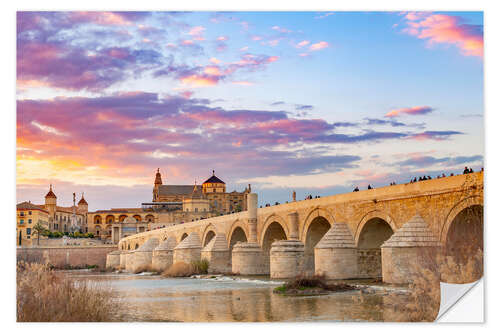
(316, 102)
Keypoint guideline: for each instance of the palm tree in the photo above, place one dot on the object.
(38, 229)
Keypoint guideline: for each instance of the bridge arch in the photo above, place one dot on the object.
(209, 233)
(314, 213)
(372, 231)
(459, 207)
(237, 233)
(274, 229)
(462, 237)
(273, 218)
(368, 217)
(317, 227)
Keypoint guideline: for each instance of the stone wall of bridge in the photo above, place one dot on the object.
(371, 216)
(66, 257)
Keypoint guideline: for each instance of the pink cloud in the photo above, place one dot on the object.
(416, 110)
(319, 46)
(102, 18)
(222, 38)
(214, 60)
(281, 29)
(197, 33)
(212, 70)
(446, 29)
(200, 80)
(303, 43)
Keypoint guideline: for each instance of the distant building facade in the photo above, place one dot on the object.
(51, 216)
(29, 215)
(171, 204)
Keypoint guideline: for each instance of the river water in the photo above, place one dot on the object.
(227, 299)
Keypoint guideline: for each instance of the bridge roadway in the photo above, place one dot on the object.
(347, 235)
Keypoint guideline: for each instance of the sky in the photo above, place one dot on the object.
(316, 102)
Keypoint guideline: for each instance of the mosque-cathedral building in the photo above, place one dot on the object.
(171, 204)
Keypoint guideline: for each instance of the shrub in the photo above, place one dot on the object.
(200, 266)
(44, 295)
(302, 281)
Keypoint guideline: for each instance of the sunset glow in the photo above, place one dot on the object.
(314, 102)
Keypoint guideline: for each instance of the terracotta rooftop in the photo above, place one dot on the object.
(29, 206)
(50, 194)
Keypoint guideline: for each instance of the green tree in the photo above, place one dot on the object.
(39, 229)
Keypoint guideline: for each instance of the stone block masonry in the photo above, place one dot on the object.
(61, 257)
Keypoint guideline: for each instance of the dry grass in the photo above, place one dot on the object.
(179, 269)
(141, 269)
(44, 295)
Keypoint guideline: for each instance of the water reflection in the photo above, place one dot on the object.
(152, 298)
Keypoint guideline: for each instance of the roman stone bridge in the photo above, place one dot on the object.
(370, 233)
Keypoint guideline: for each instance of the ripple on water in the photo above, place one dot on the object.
(221, 299)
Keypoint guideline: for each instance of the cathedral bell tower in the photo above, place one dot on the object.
(156, 188)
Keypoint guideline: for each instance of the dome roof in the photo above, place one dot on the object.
(213, 180)
(82, 201)
(50, 194)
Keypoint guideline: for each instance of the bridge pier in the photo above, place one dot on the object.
(287, 257)
(188, 250)
(143, 256)
(335, 255)
(248, 258)
(129, 261)
(163, 255)
(113, 259)
(410, 249)
(217, 254)
(123, 259)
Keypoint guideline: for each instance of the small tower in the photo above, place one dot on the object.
(51, 202)
(83, 206)
(156, 188)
